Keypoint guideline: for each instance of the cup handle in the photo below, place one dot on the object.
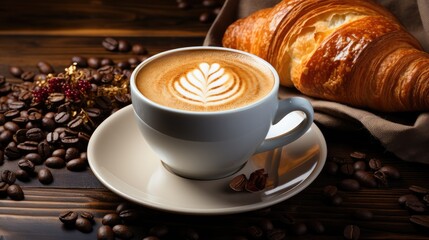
(287, 106)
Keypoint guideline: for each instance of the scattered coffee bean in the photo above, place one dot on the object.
(27, 76)
(407, 198)
(28, 146)
(55, 162)
(107, 62)
(8, 177)
(110, 44)
(238, 183)
(45, 176)
(15, 192)
(349, 184)
(315, 227)
(68, 217)
(94, 62)
(257, 181)
(375, 164)
(207, 17)
(111, 219)
(83, 225)
(358, 155)
(45, 67)
(365, 178)
(35, 134)
(418, 190)
(351, 232)
(26, 165)
(122, 231)
(139, 49)
(124, 46)
(22, 175)
(276, 234)
(87, 215)
(16, 71)
(390, 171)
(336, 200)
(347, 169)
(299, 228)
(421, 220)
(416, 206)
(12, 152)
(129, 215)
(80, 61)
(255, 232)
(76, 165)
(359, 165)
(159, 231)
(105, 233)
(381, 178)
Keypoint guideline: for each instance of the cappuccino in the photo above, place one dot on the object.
(204, 80)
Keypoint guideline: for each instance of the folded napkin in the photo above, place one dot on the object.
(404, 134)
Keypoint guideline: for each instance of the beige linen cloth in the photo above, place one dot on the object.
(404, 134)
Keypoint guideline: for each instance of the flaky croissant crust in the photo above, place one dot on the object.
(350, 51)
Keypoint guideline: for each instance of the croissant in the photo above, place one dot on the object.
(350, 51)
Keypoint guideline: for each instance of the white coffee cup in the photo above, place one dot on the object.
(212, 145)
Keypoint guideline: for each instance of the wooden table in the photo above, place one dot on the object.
(54, 31)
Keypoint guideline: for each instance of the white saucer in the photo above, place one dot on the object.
(124, 163)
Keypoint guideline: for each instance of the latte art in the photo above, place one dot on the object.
(209, 84)
(204, 80)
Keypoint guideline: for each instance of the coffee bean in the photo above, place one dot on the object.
(11, 126)
(418, 190)
(257, 181)
(152, 238)
(330, 191)
(6, 136)
(80, 61)
(76, 165)
(107, 62)
(13, 113)
(139, 49)
(39, 77)
(16, 71)
(207, 17)
(426, 199)
(347, 169)
(70, 140)
(75, 123)
(45, 176)
(359, 165)
(15, 192)
(60, 152)
(381, 178)
(44, 149)
(276, 234)
(375, 164)
(28, 146)
(122, 231)
(83, 137)
(123, 65)
(35, 134)
(62, 117)
(12, 152)
(45, 67)
(68, 217)
(238, 183)
(129, 215)
(124, 206)
(390, 171)
(35, 117)
(27, 76)
(48, 124)
(111, 219)
(53, 138)
(124, 46)
(71, 153)
(22, 175)
(21, 121)
(407, 198)
(358, 155)
(363, 214)
(110, 44)
(365, 178)
(105, 233)
(83, 225)
(349, 184)
(421, 220)
(286, 219)
(94, 62)
(3, 189)
(416, 206)
(351, 232)
(8, 177)
(26, 165)
(55, 162)
(87, 215)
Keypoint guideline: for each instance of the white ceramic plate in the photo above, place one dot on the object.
(124, 163)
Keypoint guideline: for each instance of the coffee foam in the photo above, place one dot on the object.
(204, 80)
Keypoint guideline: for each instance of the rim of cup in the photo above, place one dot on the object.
(134, 88)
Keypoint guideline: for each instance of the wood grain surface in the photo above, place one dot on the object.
(55, 31)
